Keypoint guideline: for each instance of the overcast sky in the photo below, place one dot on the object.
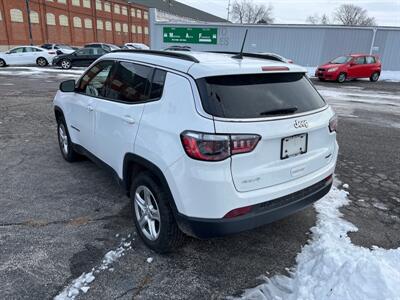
(386, 12)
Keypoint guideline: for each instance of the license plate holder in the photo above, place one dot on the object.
(294, 145)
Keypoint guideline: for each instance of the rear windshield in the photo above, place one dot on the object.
(258, 95)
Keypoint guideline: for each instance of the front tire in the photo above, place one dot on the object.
(66, 64)
(374, 77)
(64, 141)
(2, 63)
(42, 62)
(341, 78)
(152, 214)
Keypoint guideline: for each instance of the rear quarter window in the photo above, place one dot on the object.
(258, 95)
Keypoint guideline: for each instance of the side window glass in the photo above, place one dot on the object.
(18, 50)
(370, 60)
(157, 85)
(93, 82)
(360, 60)
(129, 83)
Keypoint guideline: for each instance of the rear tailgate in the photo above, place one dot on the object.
(285, 110)
(264, 166)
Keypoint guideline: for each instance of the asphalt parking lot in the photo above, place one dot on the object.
(58, 220)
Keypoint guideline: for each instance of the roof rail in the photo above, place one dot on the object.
(178, 55)
(253, 55)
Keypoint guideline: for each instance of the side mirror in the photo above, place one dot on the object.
(67, 86)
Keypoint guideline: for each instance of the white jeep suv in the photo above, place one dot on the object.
(206, 144)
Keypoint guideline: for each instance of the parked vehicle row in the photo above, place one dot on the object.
(60, 54)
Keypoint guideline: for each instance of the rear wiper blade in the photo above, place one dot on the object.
(280, 111)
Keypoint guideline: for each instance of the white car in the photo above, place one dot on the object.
(58, 48)
(205, 144)
(27, 55)
(138, 46)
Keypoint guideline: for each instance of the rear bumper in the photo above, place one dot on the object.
(326, 75)
(261, 214)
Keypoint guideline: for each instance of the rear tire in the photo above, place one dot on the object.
(152, 214)
(66, 64)
(321, 79)
(64, 141)
(341, 78)
(42, 62)
(2, 63)
(374, 77)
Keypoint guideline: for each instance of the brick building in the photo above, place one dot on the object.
(73, 22)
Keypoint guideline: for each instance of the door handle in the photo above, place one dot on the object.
(129, 119)
(90, 108)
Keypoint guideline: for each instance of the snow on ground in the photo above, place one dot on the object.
(393, 76)
(82, 283)
(331, 267)
(26, 71)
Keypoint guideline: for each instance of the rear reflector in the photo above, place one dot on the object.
(333, 124)
(238, 212)
(282, 68)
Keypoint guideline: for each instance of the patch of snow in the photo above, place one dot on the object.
(149, 260)
(381, 206)
(82, 282)
(345, 186)
(331, 267)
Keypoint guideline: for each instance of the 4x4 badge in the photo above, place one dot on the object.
(301, 124)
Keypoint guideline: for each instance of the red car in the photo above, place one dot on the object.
(350, 66)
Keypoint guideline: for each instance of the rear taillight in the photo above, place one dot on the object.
(333, 123)
(217, 147)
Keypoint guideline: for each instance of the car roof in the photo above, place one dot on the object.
(204, 64)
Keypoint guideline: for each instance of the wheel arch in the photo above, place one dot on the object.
(58, 113)
(134, 164)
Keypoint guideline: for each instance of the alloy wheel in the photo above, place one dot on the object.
(65, 64)
(63, 139)
(147, 213)
(41, 62)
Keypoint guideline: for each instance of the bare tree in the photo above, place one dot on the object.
(316, 19)
(325, 20)
(352, 15)
(246, 11)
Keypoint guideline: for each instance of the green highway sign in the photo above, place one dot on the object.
(192, 35)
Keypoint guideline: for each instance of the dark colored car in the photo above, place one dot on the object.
(80, 58)
(106, 47)
(350, 67)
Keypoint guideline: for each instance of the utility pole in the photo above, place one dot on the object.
(28, 10)
(229, 9)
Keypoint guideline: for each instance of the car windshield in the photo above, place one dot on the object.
(258, 95)
(341, 60)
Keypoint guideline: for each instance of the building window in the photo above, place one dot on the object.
(125, 28)
(107, 7)
(1, 16)
(76, 3)
(63, 20)
(77, 22)
(138, 14)
(100, 25)
(117, 27)
(124, 10)
(146, 30)
(16, 15)
(34, 16)
(88, 23)
(133, 12)
(62, 1)
(98, 5)
(146, 15)
(139, 29)
(108, 25)
(133, 28)
(117, 9)
(86, 3)
(50, 19)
